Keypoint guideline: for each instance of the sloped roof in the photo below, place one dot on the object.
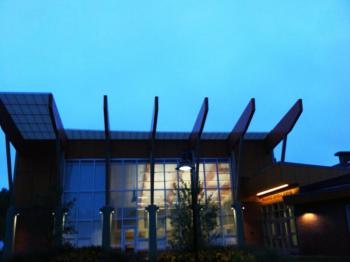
(77, 134)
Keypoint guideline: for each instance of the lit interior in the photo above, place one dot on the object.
(272, 190)
(130, 195)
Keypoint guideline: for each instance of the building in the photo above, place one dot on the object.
(322, 211)
(113, 187)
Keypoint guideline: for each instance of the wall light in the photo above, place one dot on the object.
(309, 217)
(272, 189)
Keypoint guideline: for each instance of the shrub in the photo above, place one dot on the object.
(181, 218)
(214, 254)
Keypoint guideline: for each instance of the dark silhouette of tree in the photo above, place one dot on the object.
(181, 219)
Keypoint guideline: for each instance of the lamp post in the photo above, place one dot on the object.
(189, 163)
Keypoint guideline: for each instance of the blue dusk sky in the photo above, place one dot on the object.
(183, 50)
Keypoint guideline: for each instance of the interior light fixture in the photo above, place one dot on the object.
(272, 190)
(185, 164)
(185, 168)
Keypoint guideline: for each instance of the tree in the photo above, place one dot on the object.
(181, 218)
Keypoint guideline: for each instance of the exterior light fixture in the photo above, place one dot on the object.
(186, 163)
(272, 190)
(309, 217)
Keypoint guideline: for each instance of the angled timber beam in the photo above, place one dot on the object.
(154, 120)
(152, 208)
(9, 127)
(235, 141)
(152, 138)
(56, 121)
(9, 165)
(284, 126)
(108, 147)
(194, 140)
(199, 124)
(242, 125)
(107, 210)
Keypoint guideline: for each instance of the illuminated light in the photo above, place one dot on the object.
(309, 217)
(14, 227)
(277, 196)
(243, 207)
(101, 212)
(186, 162)
(53, 213)
(272, 190)
(185, 168)
(113, 212)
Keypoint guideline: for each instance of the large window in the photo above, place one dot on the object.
(279, 228)
(84, 190)
(130, 195)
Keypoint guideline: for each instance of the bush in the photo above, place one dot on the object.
(266, 255)
(95, 254)
(78, 255)
(86, 254)
(215, 254)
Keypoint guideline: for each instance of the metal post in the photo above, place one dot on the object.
(152, 238)
(195, 214)
(152, 215)
(237, 206)
(152, 208)
(107, 210)
(10, 226)
(284, 148)
(9, 165)
(58, 226)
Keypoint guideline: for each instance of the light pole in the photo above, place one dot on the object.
(190, 163)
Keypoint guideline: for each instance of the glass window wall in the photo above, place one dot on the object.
(130, 194)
